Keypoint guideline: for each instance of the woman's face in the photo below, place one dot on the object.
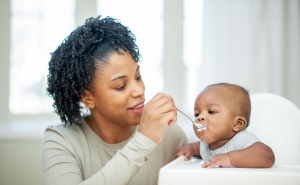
(213, 109)
(118, 91)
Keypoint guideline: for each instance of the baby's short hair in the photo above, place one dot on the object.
(240, 98)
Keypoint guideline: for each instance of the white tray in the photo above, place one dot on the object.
(180, 172)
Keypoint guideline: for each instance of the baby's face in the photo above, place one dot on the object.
(213, 109)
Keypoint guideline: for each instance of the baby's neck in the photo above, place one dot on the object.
(216, 145)
(219, 144)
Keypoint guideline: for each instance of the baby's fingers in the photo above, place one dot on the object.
(186, 153)
(210, 164)
(219, 160)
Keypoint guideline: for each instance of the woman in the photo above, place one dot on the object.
(122, 140)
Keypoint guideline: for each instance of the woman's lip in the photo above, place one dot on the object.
(138, 105)
(137, 110)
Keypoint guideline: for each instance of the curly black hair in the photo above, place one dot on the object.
(72, 65)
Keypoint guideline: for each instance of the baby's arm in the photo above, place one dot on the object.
(257, 155)
(189, 150)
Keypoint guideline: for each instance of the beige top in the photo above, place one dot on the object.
(76, 155)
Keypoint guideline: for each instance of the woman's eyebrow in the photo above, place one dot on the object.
(120, 77)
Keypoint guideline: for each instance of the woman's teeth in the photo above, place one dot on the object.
(138, 106)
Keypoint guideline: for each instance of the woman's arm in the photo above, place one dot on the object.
(258, 155)
(60, 166)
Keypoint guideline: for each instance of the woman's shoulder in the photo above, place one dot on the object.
(63, 129)
(62, 132)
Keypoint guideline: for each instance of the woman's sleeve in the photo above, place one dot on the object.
(178, 137)
(60, 166)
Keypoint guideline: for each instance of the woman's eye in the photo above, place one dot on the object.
(121, 88)
(196, 115)
(211, 112)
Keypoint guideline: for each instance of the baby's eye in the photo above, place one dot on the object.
(196, 115)
(139, 78)
(211, 112)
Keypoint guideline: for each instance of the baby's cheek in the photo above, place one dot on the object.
(195, 130)
(200, 135)
(203, 136)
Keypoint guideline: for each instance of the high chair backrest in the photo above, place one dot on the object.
(275, 120)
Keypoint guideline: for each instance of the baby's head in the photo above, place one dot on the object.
(224, 109)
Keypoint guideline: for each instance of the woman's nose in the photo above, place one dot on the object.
(138, 89)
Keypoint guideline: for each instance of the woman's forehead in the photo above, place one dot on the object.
(117, 65)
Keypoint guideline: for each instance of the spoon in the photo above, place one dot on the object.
(198, 125)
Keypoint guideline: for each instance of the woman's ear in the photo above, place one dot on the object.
(88, 99)
(240, 124)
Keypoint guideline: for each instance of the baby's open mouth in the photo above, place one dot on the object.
(200, 126)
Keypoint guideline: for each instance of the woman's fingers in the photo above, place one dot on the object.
(166, 105)
(158, 112)
(160, 100)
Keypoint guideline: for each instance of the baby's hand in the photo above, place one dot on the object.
(187, 151)
(219, 160)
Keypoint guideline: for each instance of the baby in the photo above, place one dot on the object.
(224, 109)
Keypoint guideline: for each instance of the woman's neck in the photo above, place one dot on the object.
(110, 133)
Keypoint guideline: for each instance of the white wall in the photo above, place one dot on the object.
(20, 162)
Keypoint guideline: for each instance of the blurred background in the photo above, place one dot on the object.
(185, 45)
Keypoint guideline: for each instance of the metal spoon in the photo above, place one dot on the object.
(198, 125)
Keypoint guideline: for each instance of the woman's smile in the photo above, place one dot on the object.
(138, 109)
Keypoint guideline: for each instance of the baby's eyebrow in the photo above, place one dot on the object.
(214, 104)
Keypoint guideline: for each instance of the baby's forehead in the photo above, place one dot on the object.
(218, 90)
(224, 90)
(218, 94)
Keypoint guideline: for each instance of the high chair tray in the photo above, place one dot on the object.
(181, 172)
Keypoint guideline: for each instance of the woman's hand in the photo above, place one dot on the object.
(159, 112)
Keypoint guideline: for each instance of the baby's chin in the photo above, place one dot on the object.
(203, 139)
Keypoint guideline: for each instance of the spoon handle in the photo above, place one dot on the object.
(198, 125)
(185, 115)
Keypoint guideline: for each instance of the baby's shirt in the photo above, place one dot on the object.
(241, 140)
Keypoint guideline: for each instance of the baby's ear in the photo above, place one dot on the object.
(239, 123)
(88, 99)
